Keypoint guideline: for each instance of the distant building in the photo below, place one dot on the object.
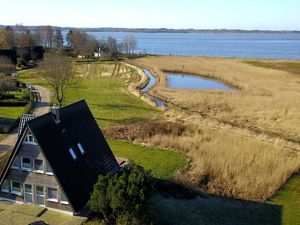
(57, 160)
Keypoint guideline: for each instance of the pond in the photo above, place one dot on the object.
(150, 84)
(187, 81)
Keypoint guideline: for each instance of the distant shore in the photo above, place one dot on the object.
(168, 30)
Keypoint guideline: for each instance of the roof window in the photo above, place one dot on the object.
(81, 149)
(74, 156)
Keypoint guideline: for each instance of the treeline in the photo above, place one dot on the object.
(168, 30)
(20, 45)
(83, 44)
(20, 42)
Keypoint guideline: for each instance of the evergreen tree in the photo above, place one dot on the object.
(123, 197)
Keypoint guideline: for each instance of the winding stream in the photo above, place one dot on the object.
(151, 83)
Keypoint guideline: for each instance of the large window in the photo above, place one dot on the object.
(26, 164)
(16, 187)
(5, 186)
(28, 195)
(63, 198)
(39, 195)
(38, 166)
(52, 195)
(17, 163)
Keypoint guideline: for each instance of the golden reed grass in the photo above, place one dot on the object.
(238, 163)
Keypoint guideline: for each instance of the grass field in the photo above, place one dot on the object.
(162, 163)
(245, 140)
(263, 104)
(239, 162)
(289, 197)
(106, 96)
(24, 214)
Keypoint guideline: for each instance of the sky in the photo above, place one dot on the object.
(178, 14)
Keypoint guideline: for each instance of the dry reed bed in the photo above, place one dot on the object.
(231, 160)
(233, 164)
(269, 100)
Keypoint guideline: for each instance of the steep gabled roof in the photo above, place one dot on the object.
(77, 125)
(24, 119)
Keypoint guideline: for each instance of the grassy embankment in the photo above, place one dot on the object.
(103, 86)
(242, 145)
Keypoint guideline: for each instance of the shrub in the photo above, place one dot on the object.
(123, 198)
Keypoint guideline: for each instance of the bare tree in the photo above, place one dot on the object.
(58, 72)
(24, 37)
(129, 44)
(82, 43)
(45, 36)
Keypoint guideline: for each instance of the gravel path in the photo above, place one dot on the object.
(40, 108)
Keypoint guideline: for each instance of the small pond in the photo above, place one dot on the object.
(187, 81)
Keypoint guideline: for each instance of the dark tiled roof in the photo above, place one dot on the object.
(25, 118)
(76, 177)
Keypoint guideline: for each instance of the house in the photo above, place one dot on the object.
(57, 159)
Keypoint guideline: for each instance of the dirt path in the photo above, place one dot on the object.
(40, 108)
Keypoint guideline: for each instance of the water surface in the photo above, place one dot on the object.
(273, 46)
(186, 81)
(150, 84)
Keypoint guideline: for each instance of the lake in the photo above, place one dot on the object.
(273, 46)
(186, 81)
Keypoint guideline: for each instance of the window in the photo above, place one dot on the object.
(63, 198)
(17, 163)
(72, 153)
(49, 170)
(16, 188)
(5, 186)
(38, 166)
(39, 195)
(29, 139)
(80, 148)
(28, 195)
(52, 195)
(26, 164)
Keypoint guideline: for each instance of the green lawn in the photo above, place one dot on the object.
(289, 197)
(8, 117)
(162, 163)
(17, 214)
(109, 102)
(107, 97)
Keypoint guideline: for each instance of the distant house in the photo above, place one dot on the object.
(57, 159)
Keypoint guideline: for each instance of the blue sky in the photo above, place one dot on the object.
(211, 14)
